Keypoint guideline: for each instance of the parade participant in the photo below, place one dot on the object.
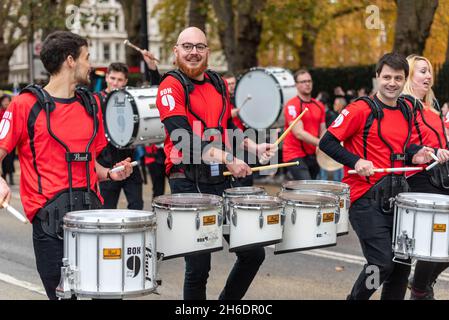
(59, 132)
(8, 161)
(430, 131)
(195, 100)
(376, 134)
(301, 143)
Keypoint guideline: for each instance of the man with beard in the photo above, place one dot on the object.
(59, 134)
(195, 101)
(376, 134)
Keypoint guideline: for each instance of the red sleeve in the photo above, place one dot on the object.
(290, 113)
(170, 99)
(13, 123)
(323, 113)
(350, 121)
(100, 139)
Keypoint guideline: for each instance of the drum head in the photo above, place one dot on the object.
(309, 197)
(423, 200)
(317, 185)
(119, 120)
(259, 95)
(262, 202)
(242, 191)
(105, 217)
(195, 201)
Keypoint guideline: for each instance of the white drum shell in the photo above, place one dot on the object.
(121, 122)
(132, 272)
(427, 228)
(269, 89)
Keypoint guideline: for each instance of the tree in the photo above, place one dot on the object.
(198, 13)
(413, 23)
(132, 12)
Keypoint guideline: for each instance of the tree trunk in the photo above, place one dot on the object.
(131, 11)
(5, 54)
(414, 20)
(198, 13)
(307, 51)
(447, 50)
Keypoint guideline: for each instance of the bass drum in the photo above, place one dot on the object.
(261, 93)
(132, 118)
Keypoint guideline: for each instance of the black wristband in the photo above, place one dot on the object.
(109, 175)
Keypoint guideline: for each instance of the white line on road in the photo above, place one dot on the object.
(23, 284)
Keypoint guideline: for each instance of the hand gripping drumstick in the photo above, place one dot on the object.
(433, 164)
(282, 137)
(120, 168)
(14, 212)
(272, 166)
(390, 170)
(129, 44)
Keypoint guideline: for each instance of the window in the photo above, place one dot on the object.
(106, 52)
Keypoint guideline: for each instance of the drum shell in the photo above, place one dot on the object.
(112, 259)
(237, 192)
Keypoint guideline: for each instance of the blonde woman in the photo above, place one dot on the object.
(429, 131)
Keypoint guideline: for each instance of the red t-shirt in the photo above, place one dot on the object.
(349, 127)
(423, 135)
(312, 120)
(69, 122)
(206, 103)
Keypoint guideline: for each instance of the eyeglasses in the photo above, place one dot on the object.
(200, 47)
(304, 81)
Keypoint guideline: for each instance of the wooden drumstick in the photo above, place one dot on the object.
(129, 44)
(282, 137)
(15, 213)
(272, 166)
(437, 161)
(390, 170)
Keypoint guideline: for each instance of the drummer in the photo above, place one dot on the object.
(430, 131)
(53, 181)
(376, 134)
(192, 100)
(301, 143)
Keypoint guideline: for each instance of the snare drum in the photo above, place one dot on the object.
(261, 94)
(420, 229)
(255, 222)
(108, 254)
(188, 223)
(231, 193)
(132, 118)
(337, 188)
(309, 221)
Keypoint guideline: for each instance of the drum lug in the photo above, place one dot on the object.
(318, 218)
(170, 220)
(197, 221)
(337, 215)
(67, 282)
(261, 219)
(220, 220)
(283, 214)
(294, 216)
(404, 245)
(234, 218)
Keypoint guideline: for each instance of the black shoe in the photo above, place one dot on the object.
(421, 295)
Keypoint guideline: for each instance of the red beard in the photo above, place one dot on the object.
(192, 72)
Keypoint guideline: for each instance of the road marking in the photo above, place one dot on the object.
(23, 284)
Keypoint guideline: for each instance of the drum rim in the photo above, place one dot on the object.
(73, 219)
(183, 206)
(345, 187)
(410, 200)
(228, 192)
(281, 109)
(329, 195)
(135, 111)
(239, 202)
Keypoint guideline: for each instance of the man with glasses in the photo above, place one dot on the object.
(195, 101)
(301, 143)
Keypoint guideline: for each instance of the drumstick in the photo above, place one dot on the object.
(389, 170)
(433, 164)
(14, 212)
(129, 44)
(272, 166)
(249, 97)
(282, 137)
(120, 168)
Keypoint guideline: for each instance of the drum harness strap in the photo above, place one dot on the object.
(202, 173)
(55, 208)
(384, 191)
(439, 175)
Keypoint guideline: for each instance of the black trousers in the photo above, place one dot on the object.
(198, 265)
(132, 186)
(374, 230)
(157, 173)
(308, 168)
(426, 272)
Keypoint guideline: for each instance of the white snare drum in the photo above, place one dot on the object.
(188, 223)
(230, 193)
(256, 221)
(337, 188)
(262, 93)
(421, 222)
(108, 254)
(309, 221)
(132, 118)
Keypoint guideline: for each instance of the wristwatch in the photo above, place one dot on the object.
(229, 158)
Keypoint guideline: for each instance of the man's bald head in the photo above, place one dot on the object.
(192, 35)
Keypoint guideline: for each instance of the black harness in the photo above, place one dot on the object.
(438, 175)
(51, 215)
(384, 191)
(203, 173)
